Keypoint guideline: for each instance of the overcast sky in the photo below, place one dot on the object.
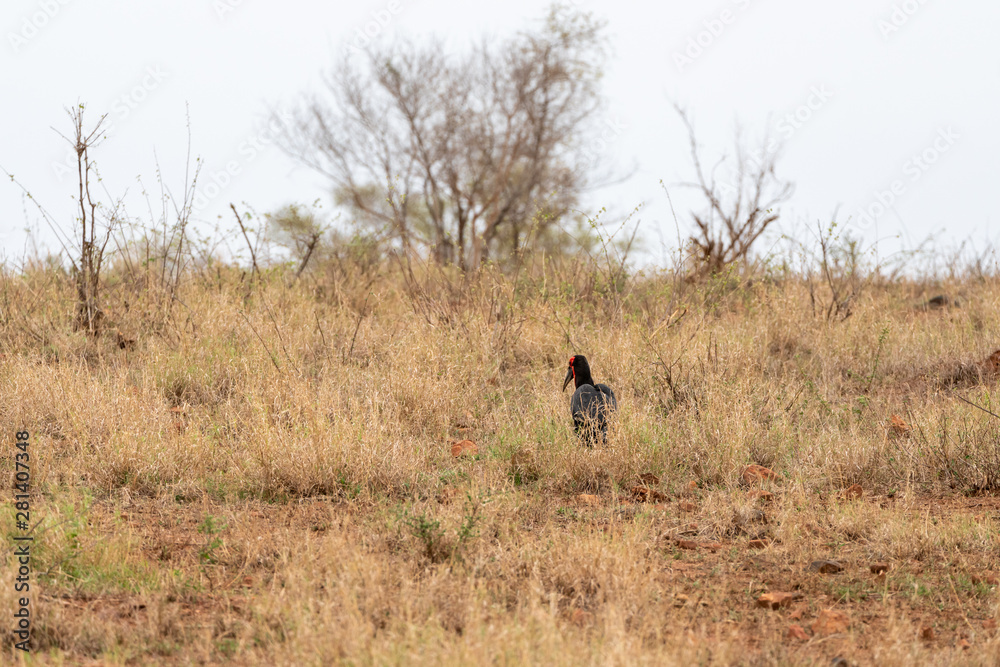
(879, 101)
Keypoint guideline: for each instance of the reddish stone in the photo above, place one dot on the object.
(464, 448)
(854, 492)
(830, 622)
(826, 566)
(754, 474)
(777, 599)
(644, 494)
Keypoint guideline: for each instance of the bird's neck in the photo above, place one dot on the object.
(582, 378)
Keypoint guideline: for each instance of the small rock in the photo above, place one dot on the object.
(898, 427)
(990, 624)
(762, 495)
(588, 499)
(692, 486)
(992, 363)
(644, 494)
(777, 599)
(754, 474)
(687, 544)
(938, 302)
(830, 622)
(688, 506)
(711, 546)
(991, 579)
(854, 492)
(758, 544)
(581, 618)
(464, 448)
(964, 644)
(927, 633)
(840, 661)
(797, 613)
(826, 566)
(649, 478)
(797, 632)
(879, 568)
(680, 600)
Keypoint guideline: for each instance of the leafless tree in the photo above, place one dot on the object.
(740, 206)
(461, 156)
(88, 268)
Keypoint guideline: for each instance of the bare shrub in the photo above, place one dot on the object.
(739, 206)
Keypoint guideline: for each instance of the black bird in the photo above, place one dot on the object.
(592, 403)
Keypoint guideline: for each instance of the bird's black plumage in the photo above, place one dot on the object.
(592, 403)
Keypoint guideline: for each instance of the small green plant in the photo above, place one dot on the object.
(852, 591)
(65, 552)
(429, 533)
(210, 528)
(882, 336)
(227, 646)
(468, 531)
(437, 546)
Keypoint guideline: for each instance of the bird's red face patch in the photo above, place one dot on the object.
(571, 360)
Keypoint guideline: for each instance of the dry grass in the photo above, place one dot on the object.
(265, 475)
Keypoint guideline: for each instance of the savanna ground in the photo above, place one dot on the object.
(260, 470)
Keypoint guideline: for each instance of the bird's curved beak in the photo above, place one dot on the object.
(569, 376)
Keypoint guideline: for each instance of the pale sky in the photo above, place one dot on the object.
(876, 99)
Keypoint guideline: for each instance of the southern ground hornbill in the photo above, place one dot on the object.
(592, 403)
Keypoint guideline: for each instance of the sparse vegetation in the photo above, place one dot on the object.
(266, 476)
(358, 452)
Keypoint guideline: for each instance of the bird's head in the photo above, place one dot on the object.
(578, 370)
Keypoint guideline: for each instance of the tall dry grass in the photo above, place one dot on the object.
(259, 470)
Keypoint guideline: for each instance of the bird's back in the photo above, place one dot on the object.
(591, 406)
